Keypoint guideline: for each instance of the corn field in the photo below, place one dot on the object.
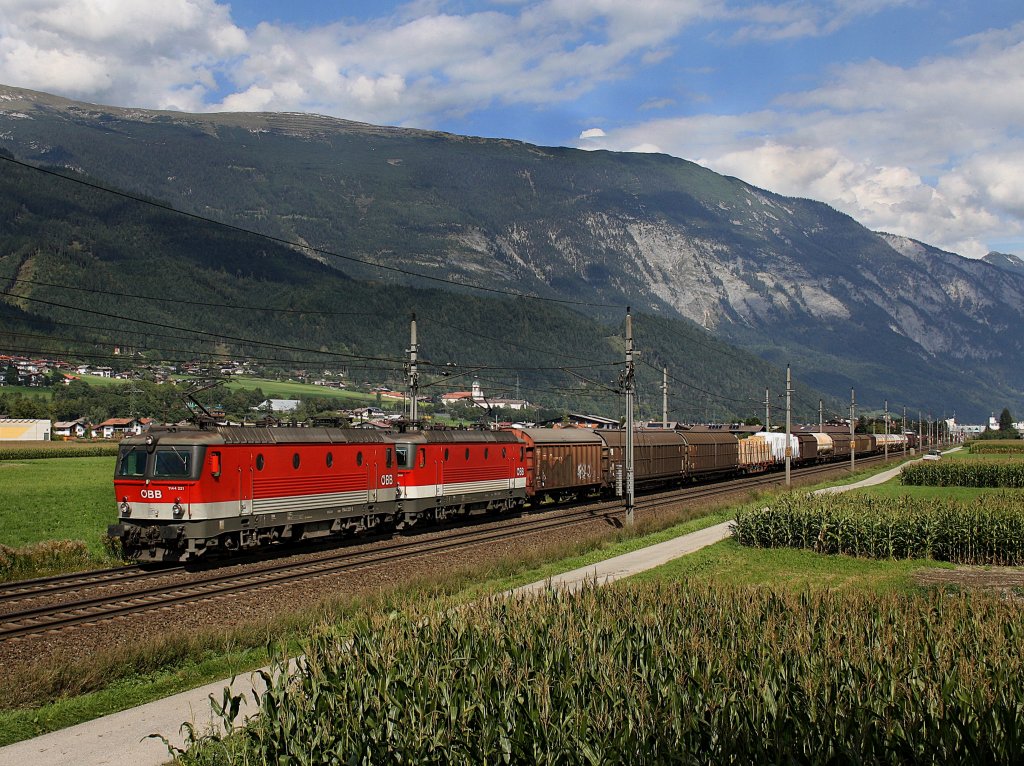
(997, 447)
(56, 449)
(985, 531)
(975, 473)
(687, 673)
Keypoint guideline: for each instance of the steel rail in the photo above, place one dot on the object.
(58, 616)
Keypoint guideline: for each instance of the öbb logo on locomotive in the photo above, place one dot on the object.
(188, 492)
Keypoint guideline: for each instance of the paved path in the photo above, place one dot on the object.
(121, 738)
(628, 564)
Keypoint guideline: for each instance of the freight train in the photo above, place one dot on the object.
(184, 492)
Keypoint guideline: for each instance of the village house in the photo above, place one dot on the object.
(71, 429)
(477, 399)
(119, 428)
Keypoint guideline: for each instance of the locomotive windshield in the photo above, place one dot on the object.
(172, 463)
(132, 461)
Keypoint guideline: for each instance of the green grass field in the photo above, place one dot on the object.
(968, 455)
(278, 389)
(728, 562)
(56, 499)
(73, 498)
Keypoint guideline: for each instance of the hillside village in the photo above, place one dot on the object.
(65, 378)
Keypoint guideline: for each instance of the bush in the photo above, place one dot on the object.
(43, 558)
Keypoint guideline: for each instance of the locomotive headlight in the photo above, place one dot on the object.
(126, 509)
(176, 509)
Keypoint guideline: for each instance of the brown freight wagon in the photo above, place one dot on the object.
(562, 462)
(710, 452)
(864, 444)
(659, 456)
(840, 444)
(808, 449)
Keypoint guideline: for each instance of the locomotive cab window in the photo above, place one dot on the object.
(173, 462)
(260, 462)
(406, 454)
(389, 457)
(330, 459)
(423, 457)
(295, 461)
(132, 461)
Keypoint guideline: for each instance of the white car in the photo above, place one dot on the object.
(932, 455)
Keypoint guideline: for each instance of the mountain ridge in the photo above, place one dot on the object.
(790, 279)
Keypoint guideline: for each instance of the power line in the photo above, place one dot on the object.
(234, 338)
(698, 388)
(183, 301)
(281, 241)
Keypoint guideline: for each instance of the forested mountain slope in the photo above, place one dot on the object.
(792, 280)
(71, 259)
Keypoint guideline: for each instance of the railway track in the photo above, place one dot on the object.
(52, 616)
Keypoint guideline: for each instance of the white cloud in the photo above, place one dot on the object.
(413, 67)
(133, 52)
(932, 151)
(795, 19)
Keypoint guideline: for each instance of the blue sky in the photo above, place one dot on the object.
(906, 114)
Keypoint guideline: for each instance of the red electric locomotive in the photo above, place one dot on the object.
(442, 474)
(183, 491)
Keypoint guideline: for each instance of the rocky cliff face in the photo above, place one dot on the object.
(791, 279)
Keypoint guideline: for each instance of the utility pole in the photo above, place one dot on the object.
(886, 429)
(789, 425)
(905, 439)
(920, 431)
(767, 410)
(821, 416)
(664, 397)
(853, 419)
(629, 419)
(414, 377)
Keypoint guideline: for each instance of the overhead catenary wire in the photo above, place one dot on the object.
(188, 302)
(268, 309)
(164, 325)
(299, 245)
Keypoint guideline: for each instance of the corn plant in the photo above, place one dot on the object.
(997, 447)
(56, 449)
(687, 673)
(979, 473)
(985, 531)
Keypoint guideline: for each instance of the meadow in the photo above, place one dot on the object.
(519, 708)
(54, 514)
